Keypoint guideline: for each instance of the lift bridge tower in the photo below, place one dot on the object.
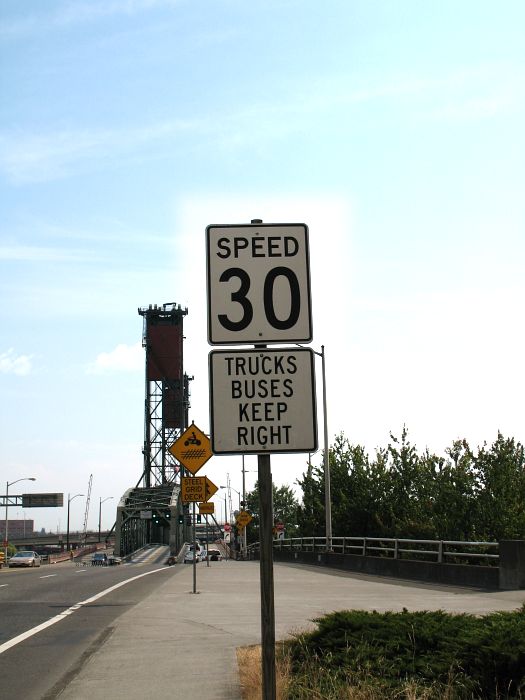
(166, 391)
(150, 512)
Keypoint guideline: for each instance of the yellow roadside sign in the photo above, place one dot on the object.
(192, 449)
(207, 508)
(193, 489)
(210, 489)
(243, 519)
(197, 489)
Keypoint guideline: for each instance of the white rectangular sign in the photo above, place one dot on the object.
(262, 401)
(258, 283)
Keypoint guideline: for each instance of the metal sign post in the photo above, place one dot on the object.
(258, 288)
(266, 577)
(194, 553)
(207, 544)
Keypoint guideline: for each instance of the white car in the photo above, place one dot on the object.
(25, 559)
(189, 556)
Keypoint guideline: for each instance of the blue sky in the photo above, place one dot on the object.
(393, 129)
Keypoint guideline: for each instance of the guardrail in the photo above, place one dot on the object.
(480, 564)
(440, 551)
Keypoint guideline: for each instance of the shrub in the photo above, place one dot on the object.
(455, 656)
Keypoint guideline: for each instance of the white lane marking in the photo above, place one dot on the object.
(3, 585)
(80, 571)
(61, 616)
(48, 576)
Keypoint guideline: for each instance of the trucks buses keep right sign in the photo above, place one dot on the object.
(262, 401)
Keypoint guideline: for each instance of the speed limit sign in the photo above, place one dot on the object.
(258, 284)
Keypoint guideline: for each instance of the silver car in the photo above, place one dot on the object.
(25, 559)
(190, 556)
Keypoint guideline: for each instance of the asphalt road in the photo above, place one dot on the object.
(40, 665)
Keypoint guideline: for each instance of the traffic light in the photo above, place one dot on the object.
(181, 520)
(198, 517)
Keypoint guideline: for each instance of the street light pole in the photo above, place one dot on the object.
(326, 461)
(6, 535)
(244, 533)
(226, 519)
(327, 496)
(69, 499)
(100, 513)
(239, 494)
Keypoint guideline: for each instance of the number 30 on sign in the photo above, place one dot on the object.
(258, 283)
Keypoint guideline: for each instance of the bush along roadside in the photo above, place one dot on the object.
(434, 654)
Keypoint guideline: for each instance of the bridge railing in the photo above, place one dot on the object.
(440, 551)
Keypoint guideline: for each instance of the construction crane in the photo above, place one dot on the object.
(84, 533)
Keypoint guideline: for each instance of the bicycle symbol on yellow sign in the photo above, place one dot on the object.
(192, 449)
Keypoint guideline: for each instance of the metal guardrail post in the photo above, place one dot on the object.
(440, 552)
(396, 549)
(364, 546)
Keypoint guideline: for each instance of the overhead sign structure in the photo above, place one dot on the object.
(192, 449)
(263, 401)
(197, 489)
(42, 500)
(243, 519)
(258, 283)
(207, 508)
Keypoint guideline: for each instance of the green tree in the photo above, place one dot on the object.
(500, 472)
(455, 506)
(310, 513)
(285, 510)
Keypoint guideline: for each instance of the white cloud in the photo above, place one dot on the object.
(26, 253)
(10, 363)
(26, 157)
(76, 13)
(124, 358)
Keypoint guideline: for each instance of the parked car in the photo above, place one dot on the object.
(190, 556)
(215, 554)
(99, 559)
(25, 559)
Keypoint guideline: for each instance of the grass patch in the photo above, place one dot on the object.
(249, 661)
(358, 655)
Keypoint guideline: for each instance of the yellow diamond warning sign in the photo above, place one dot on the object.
(210, 488)
(243, 519)
(192, 449)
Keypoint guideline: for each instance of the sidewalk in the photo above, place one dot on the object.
(176, 644)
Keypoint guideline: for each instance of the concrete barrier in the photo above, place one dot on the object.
(512, 565)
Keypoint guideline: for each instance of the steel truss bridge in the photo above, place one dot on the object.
(152, 512)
